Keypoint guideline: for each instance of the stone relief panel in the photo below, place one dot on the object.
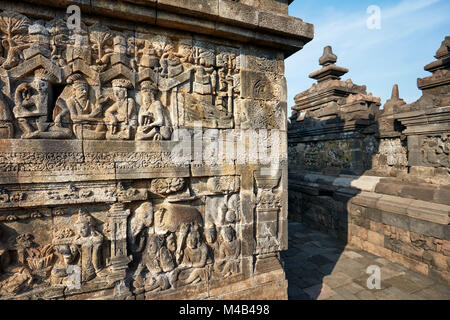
(392, 152)
(342, 154)
(174, 245)
(97, 83)
(223, 221)
(327, 153)
(436, 150)
(66, 253)
(267, 212)
(153, 245)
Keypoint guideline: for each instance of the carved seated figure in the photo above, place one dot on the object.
(31, 107)
(192, 269)
(21, 275)
(159, 262)
(121, 116)
(230, 248)
(66, 252)
(153, 123)
(88, 242)
(75, 106)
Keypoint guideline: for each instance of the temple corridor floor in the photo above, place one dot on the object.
(321, 267)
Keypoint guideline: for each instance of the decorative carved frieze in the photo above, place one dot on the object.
(96, 83)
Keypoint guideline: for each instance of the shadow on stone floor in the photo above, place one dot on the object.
(320, 267)
(312, 255)
(316, 253)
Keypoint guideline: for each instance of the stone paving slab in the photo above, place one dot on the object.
(320, 267)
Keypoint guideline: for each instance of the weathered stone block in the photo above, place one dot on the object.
(396, 220)
(201, 8)
(418, 193)
(375, 238)
(284, 24)
(427, 228)
(274, 6)
(239, 13)
(442, 196)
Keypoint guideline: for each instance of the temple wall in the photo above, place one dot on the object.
(126, 168)
(377, 179)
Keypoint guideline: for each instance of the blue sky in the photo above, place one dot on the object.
(411, 32)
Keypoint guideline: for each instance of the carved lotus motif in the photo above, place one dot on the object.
(40, 260)
(64, 233)
(36, 215)
(267, 200)
(167, 186)
(4, 195)
(18, 196)
(11, 218)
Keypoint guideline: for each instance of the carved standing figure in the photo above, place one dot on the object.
(89, 243)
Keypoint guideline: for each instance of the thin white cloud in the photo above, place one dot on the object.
(407, 6)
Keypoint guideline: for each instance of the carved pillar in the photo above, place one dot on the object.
(118, 222)
(267, 222)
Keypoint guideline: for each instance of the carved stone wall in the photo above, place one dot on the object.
(96, 198)
(378, 179)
